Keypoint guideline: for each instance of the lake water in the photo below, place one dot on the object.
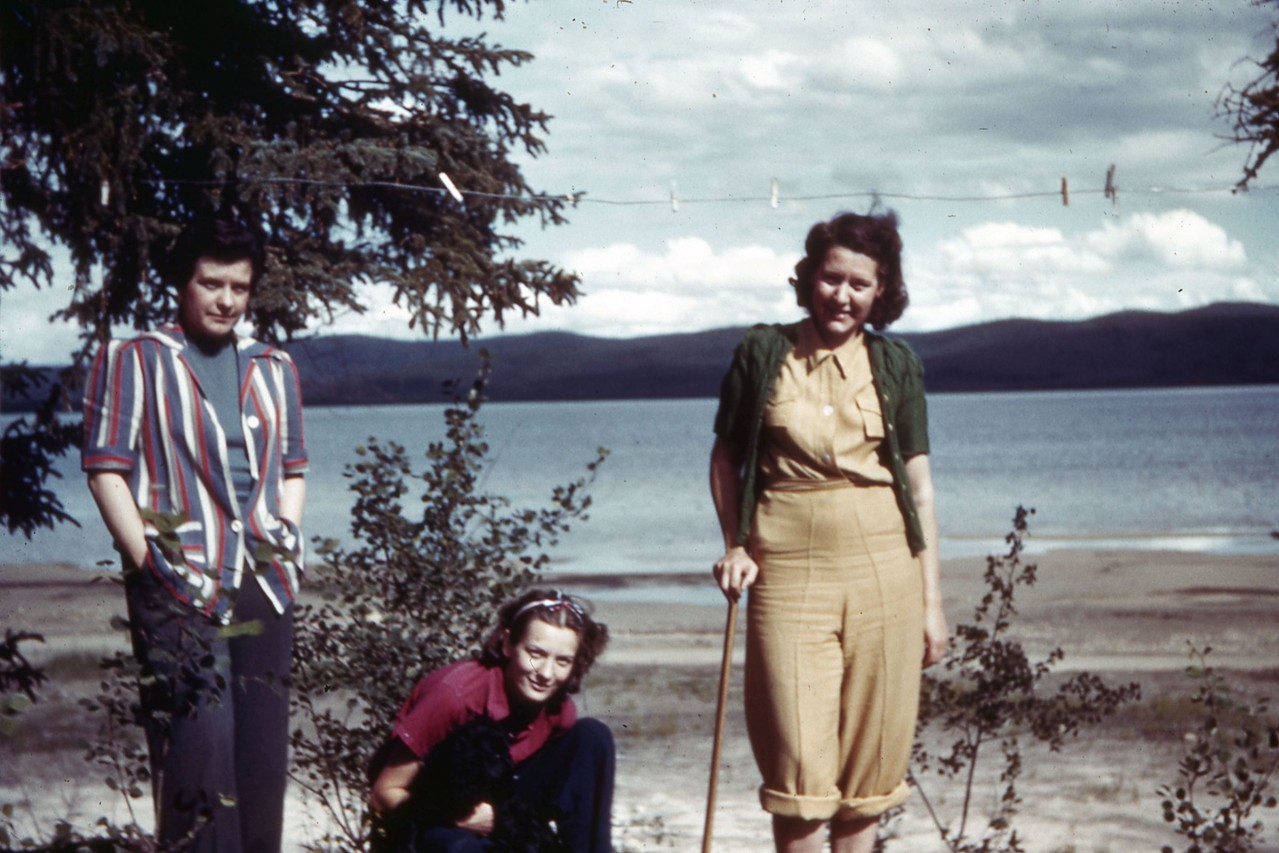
(1187, 469)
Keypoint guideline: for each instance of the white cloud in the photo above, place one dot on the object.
(626, 314)
(25, 331)
(1179, 239)
(382, 317)
(859, 64)
(956, 57)
(688, 285)
(685, 262)
(1008, 249)
(772, 70)
(1247, 289)
(1161, 262)
(987, 271)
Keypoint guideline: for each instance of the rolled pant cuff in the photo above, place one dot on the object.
(831, 807)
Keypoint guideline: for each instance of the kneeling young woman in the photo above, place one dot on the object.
(542, 646)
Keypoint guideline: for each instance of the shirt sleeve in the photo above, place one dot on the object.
(296, 461)
(732, 424)
(113, 401)
(912, 410)
(434, 708)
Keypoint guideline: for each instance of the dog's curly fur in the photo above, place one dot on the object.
(472, 765)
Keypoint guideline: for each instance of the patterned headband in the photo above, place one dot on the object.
(552, 604)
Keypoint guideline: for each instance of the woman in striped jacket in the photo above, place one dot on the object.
(194, 452)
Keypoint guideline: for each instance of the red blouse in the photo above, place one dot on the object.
(449, 696)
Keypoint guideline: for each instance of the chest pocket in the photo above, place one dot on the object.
(781, 410)
(872, 413)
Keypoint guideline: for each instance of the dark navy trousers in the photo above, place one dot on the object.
(215, 704)
(570, 777)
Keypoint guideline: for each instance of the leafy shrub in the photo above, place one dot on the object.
(116, 748)
(19, 678)
(1227, 769)
(415, 591)
(990, 696)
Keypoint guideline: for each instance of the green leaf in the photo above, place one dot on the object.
(15, 703)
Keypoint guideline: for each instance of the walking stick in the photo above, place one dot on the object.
(725, 669)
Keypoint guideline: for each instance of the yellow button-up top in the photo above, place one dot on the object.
(823, 420)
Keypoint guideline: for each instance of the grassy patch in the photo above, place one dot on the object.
(74, 666)
(1166, 711)
(48, 727)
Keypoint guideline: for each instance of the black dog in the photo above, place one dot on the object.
(472, 765)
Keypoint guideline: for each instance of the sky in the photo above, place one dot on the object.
(962, 117)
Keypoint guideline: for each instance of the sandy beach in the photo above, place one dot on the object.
(1127, 615)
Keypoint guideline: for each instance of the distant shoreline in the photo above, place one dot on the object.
(17, 409)
(35, 574)
(1225, 344)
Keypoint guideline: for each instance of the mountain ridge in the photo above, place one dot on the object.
(1220, 344)
(1228, 343)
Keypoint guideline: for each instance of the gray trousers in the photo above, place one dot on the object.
(215, 706)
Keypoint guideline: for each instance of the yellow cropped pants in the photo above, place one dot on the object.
(834, 649)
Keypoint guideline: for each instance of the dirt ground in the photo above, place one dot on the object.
(1127, 615)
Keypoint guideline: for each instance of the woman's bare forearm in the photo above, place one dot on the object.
(120, 514)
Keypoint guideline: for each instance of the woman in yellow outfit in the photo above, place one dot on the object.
(821, 483)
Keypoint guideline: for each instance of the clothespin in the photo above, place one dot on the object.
(1065, 194)
(674, 199)
(1111, 191)
(773, 195)
(451, 187)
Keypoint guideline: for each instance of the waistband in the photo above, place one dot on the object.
(787, 484)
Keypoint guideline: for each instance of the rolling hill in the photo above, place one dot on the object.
(1222, 344)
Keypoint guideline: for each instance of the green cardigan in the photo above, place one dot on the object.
(899, 382)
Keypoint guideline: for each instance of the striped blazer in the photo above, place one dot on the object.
(146, 417)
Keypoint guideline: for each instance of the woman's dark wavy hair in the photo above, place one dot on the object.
(214, 236)
(563, 610)
(870, 234)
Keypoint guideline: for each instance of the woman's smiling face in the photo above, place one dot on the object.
(844, 290)
(539, 662)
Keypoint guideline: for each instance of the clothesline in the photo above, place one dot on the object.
(674, 200)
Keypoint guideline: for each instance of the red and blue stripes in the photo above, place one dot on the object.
(146, 417)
